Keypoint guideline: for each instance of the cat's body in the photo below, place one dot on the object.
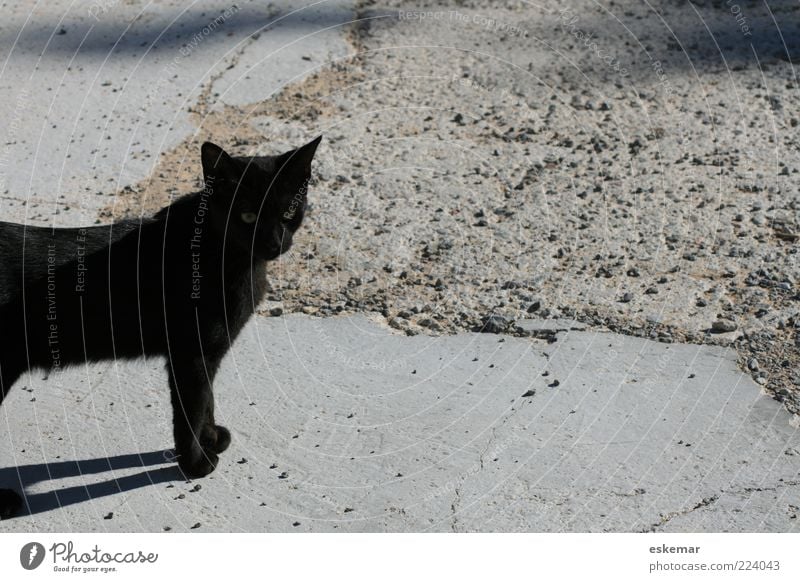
(181, 284)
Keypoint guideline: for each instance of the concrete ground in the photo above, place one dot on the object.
(479, 161)
(342, 424)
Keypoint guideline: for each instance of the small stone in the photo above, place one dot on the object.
(109, 515)
(276, 311)
(752, 364)
(195, 526)
(529, 393)
(723, 325)
(627, 298)
(494, 324)
(701, 302)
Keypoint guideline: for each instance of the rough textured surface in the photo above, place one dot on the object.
(342, 424)
(484, 168)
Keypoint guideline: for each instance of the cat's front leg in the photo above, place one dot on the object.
(11, 369)
(198, 440)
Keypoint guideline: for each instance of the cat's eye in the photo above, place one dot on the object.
(249, 217)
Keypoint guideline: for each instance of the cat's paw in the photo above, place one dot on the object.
(198, 465)
(223, 440)
(215, 438)
(10, 503)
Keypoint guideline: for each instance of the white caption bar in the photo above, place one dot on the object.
(389, 557)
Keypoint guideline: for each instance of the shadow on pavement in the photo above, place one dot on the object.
(20, 478)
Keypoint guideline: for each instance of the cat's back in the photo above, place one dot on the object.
(28, 252)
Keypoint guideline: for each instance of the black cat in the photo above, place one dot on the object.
(181, 284)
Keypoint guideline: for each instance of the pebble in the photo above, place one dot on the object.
(723, 325)
(494, 324)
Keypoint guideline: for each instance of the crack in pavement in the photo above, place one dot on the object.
(709, 501)
(667, 517)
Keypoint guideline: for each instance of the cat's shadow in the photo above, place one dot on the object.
(20, 478)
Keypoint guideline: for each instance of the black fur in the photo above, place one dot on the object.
(181, 284)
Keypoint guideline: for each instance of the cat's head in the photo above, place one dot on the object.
(259, 202)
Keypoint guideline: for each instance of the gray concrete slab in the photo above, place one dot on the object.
(91, 94)
(341, 424)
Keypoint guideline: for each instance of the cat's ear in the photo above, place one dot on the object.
(217, 163)
(298, 162)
